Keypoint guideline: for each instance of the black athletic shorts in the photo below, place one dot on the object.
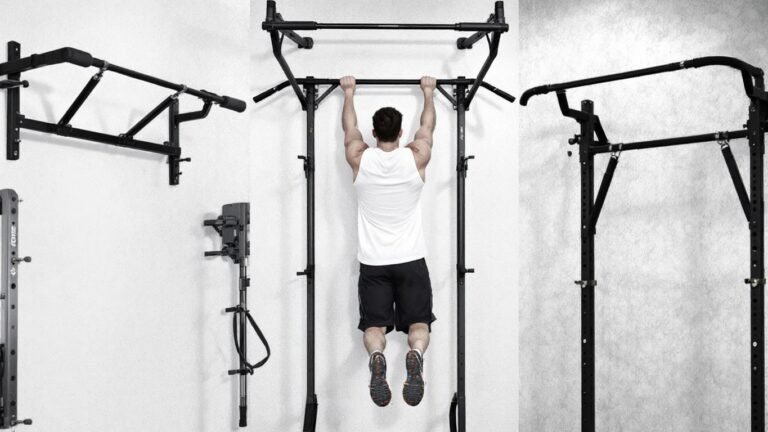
(395, 296)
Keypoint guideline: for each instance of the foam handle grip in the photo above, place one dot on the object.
(233, 104)
(499, 92)
(243, 416)
(61, 55)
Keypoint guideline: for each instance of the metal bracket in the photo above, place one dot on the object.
(755, 282)
(463, 165)
(309, 165)
(308, 272)
(463, 270)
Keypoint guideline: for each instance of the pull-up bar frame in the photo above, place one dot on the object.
(171, 148)
(593, 140)
(306, 90)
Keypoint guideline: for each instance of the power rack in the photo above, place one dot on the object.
(171, 148)
(592, 140)
(464, 91)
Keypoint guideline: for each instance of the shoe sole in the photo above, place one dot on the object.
(379, 388)
(413, 389)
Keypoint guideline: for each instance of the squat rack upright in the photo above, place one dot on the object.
(464, 90)
(171, 148)
(592, 140)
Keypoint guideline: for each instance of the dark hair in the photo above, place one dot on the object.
(386, 123)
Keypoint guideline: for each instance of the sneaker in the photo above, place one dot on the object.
(380, 393)
(413, 390)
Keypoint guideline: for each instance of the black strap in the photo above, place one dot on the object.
(250, 367)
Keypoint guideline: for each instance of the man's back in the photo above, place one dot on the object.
(388, 186)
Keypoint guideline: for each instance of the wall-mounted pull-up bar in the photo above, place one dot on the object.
(593, 140)
(463, 92)
(16, 121)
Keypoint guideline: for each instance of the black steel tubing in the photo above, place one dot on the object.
(693, 139)
(461, 269)
(603, 191)
(34, 61)
(156, 111)
(310, 411)
(80, 99)
(738, 183)
(224, 101)
(383, 82)
(99, 137)
(735, 63)
(82, 58)
(312, 25)
(492, 53)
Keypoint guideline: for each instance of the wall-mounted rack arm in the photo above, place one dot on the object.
(17, 121)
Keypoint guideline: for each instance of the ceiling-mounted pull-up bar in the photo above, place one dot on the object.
(16, 121)
(464, 90)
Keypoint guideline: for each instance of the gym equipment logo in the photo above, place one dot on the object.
(13, 235)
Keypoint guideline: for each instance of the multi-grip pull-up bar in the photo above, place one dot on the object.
(16, 121)
(593, 140)
(464, 90)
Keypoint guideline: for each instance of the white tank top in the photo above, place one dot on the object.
(388, 186)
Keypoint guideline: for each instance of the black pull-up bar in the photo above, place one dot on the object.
(381, 82)
(748, 72)
(280, 28)
(82, 58)
(16, 121)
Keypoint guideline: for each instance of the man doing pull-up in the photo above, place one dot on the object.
(394, 289)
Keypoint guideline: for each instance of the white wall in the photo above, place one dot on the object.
(672, 312)
(121, 324)
(278, 196)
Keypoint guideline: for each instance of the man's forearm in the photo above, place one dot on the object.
(428, 115)
(348, 114)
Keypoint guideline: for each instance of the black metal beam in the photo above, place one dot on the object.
(310, 408)
(758, 113)
(603, 191)
(748, 72)
(312, 25)
(738, 183)
(87, 135)
(382, 82)
(80, 99)
(587, 282)
(667, 142)
(82, 58)
(462, 161)
(13, 107)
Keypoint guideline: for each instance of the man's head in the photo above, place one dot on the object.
(387, 124)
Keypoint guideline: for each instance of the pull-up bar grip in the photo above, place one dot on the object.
(61, 55)
(748, 72)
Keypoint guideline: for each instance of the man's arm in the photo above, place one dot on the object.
(353, 139)
(422, 143)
